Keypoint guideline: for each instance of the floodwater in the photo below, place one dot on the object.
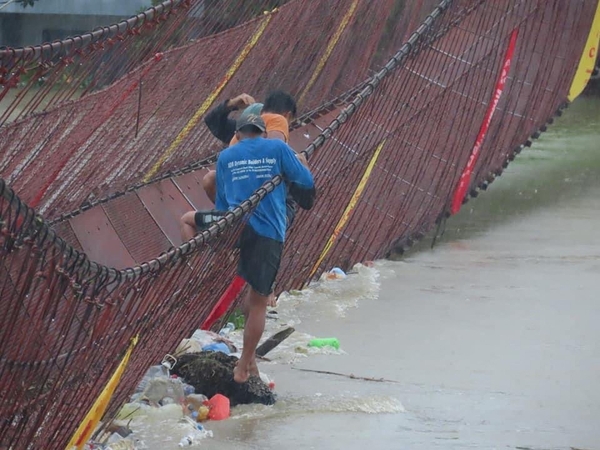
(492, 338)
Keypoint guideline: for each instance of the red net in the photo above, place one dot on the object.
(151, 120)
(456, 102)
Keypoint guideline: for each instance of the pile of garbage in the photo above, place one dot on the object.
(211, 373)
(195, 386)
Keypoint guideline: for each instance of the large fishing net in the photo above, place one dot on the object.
(401, 123)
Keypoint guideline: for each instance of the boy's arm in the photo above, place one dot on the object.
(221, 197)
(218, 121)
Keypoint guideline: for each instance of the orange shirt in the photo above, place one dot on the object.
(274, 122)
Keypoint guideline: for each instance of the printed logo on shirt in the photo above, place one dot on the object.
(242, 169)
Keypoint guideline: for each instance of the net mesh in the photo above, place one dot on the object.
(150, 120)
(392, 155)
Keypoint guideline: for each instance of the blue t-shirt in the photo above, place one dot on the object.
(246, 166)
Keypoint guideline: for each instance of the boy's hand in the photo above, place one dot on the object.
(240, 102)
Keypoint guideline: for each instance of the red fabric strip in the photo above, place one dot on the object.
(465, 178)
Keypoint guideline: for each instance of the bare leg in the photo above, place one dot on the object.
(209, 183)
(253, 367)
(188, 226)
(255, 326)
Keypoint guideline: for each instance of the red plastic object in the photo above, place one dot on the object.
(218, 407)
(226, 300)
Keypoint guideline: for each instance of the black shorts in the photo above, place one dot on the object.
(259, 260)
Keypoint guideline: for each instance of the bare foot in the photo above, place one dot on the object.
(241, 373)
(253, 369)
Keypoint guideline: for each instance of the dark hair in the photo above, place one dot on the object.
(279, 102)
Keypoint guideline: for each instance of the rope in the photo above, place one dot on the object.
(34, 52)
(64, 318)
(232, 217)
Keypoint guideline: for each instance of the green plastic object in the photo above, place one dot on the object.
(324, 342)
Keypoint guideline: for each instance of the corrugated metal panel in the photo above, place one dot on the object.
(166, 204)
(99, 239)
(301, 138)
(137, 229)
(190, 185)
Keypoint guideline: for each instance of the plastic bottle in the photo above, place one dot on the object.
(159, 388)
(203, 337)
(227, 329)
(188, 389)
(195, 436)
(195, 401)
(324, 342)
(203, 412)
(167, 412)
(125, 444)
(265, 379)
(339, 272)
(158, 371)
(186, 441)
(335, 274)
(198, 425)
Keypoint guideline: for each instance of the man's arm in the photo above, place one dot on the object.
(218, 121)
(300, 180)
(293, 170)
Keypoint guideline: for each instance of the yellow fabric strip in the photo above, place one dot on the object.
(588, 59)
(89, 424)
(189, 126)
(349, 209)
(330, 46)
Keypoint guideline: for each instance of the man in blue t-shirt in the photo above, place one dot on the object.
(241, 170)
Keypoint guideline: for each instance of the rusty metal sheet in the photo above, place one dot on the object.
(137, 229)
(190, 185)
(166, 204)
(99, 240)
(325, 120)
(300, 138)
